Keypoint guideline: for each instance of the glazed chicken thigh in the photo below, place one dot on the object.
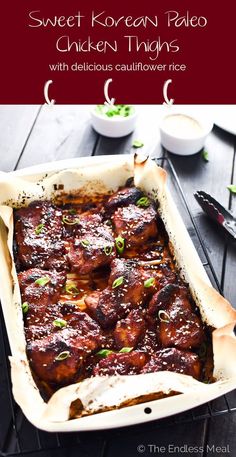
(136, 225)
(38, 236)
(126, 290)
(179, 326)
(101, 292)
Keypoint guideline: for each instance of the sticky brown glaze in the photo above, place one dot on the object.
(92, 247)
(77, 340)
(39, 321)
(132, 290)
(163, 275)
(77, 222)
(38, 235)
(150, 342)
(172, 359)
(123, 197)
(114, 302)
(45, 294)
(179, 325)
(130, 331)
(103, 298)
(121, 364)
(41, 300)
(87, 254)
(136, 225)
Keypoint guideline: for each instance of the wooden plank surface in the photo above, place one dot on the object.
(61, 132)
(230, 252)
(5, 399)
(16, 124)
(168, 440)
(146, 131)
(213, 176)
(221, 435)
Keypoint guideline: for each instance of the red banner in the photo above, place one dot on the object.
(79, 45)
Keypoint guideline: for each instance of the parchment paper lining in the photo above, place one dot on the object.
(102, 175)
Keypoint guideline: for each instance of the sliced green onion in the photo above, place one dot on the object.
(62, 356)
(108, 250)
(126, 110)
(205, 155)
(143, 202)
(115, 110)
(39, 229)
(66, 220)
(42, 281)
(59, 323)
(111, 113)
(118, 282)
(125, 350)
(163, 316)
(149, 282)
(72, 289)
(232, 188)
(85, 243)
(137, 144)
(120, 244)
(72, 211)
(25, 307)
(104, 353)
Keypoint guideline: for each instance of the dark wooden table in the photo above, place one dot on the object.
(32, 135)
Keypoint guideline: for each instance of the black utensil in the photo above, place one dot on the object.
(217, 212)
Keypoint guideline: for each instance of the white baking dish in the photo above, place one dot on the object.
(101, 174)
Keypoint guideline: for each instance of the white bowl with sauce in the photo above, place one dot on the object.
(117, 125)
(183, 133)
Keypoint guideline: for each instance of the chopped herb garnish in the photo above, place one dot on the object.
(104, 353)
(120, 244)
(118, 282)
(108, 250)
(149, 282)
(205, 155)
(39, 229)
(115, 110)
(72, 211)
(126, 349)
(163, 316)
(71, 289)
(143, 202)
(42, 281)
(59, 323)
(85, 243)
(232, 188)
(137, 144)
(66, 220)
(25, 307)
(62, 356)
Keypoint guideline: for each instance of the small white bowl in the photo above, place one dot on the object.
(184, 133)
(113, 127)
